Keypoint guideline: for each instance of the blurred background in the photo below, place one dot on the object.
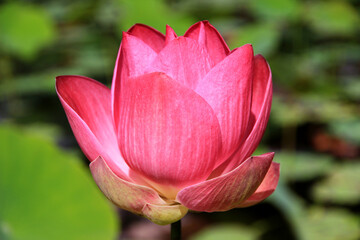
(46, 190)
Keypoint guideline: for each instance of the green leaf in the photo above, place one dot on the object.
(311, 107)
(286, 113)
(315, 223)
(47, 194)
(348, 130)
(263, 37)
(38, 82)
(352, 88)
(276, 9)
(303, 165)
(342, 186)
(25, 29)
(332, 18)
(322, 108)
(154, 13)
(330, 224)
(227, 232)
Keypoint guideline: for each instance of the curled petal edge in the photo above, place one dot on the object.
(229, 190)
(140, 200)
(152, 37)
(262, 114)
(266, 188)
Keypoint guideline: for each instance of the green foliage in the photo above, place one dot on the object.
(276, 9)
(263, 37)
(352, 88)
(348, 130)
(154, 13)
(303, 166)
(47, 194)
(341, 186)
(227, 232)
(332, 17)
(25, 29)
(315, 222)
(330, 224)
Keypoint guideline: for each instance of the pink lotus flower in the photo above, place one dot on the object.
(176, 130)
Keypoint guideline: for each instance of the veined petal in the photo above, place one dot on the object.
(87, 105)
(266, 188)
(126, 195)
(184, 60)
(170, 34)
(168, 133)
(164, 214)
(227, 191)
(260, 109)
(136, 55)
(227, 88)
(206, 34)
(133, 58)
(149, 35)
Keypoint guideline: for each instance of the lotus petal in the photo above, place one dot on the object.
(87, 105)
(184, 60)
(227, 88)
(206, 34)
(229, 190)
(266, 188)
(168, 133)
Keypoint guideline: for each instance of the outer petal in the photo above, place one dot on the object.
(168, 133)
(170, 34)
(261, 105)
(136, 55)
(260, 109)
(206, 34)
(163, 215)
(87, 105)
(133, 58)
(266, 188)
(184, 60)
(151, 36)
(135, 198)
(227, 191)
(227, 88)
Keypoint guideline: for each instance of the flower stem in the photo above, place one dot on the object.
(176, 230)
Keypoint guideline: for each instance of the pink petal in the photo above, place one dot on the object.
(266, 188)
(205, 33)
(170, 34)
(129, 196)
(167, 132)
(87, 105)
(135, 198)
(133, 58)
(260, 109)
(184, 60)
(149, 35)
(227, 88)
(136, 55)
(227, 191)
